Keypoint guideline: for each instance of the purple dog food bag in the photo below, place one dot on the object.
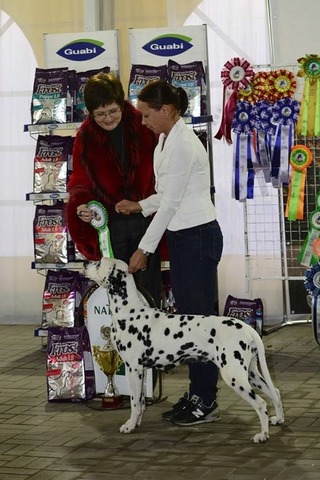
(69, 369)
(52, 157)
(81, 79)
(249, 311)
(50, 234)
(140, 75)
(61, 298)
(190, 77)
(49, 98)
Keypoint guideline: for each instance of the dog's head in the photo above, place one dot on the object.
(101, 271)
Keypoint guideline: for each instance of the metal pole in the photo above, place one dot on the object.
(98, 15)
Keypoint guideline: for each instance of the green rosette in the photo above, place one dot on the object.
(309, 119)
(311, 66)
(306, 255)
(100, 220)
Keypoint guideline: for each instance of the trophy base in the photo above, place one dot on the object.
(112, 402)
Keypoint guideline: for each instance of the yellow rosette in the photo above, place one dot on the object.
(309, 119)
(300, 159)
(282, 84)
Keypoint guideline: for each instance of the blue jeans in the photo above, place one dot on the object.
(194, 254)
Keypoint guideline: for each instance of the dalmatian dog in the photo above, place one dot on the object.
(148, 337)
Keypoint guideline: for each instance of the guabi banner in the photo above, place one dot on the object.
(82, 51)
(154, 46)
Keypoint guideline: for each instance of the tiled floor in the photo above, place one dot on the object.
(44, 441)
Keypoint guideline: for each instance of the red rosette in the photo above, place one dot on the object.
(262, 85)
(282, 84)
(237, 73)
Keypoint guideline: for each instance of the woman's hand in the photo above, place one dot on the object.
(126, 207)
(84, 213)
(138, 261)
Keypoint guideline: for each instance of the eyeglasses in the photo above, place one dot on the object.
(111, 113)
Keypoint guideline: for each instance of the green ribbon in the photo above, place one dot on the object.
(100, 219)
(306, 255)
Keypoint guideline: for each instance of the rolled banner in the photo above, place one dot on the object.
(300, 159)
(312, 286)
(100, 219)
(237, 73)
(309, 118)
(306, 255)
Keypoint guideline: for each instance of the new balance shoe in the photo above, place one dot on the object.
(195, 413)
(176, 408)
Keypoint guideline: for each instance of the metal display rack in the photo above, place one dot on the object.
(272, 242)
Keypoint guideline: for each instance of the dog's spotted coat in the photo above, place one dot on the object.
(148, 337)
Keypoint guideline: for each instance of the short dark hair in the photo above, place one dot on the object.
(103, 89)
(159, 92)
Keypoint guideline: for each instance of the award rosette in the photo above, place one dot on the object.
(243, 153)
(236, 74)
(257, 90)
(264, 140)
(306, 255)
(285, 114)
(282, 84)
(262, 86)
(100, 219)
(309, 118)
(312, 286)
(300, 159)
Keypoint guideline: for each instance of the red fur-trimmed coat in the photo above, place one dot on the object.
(98, 173)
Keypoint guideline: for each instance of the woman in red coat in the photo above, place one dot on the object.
(112, 159)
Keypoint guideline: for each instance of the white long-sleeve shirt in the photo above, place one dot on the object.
(183, 198)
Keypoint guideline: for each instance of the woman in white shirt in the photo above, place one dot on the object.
(183, 209)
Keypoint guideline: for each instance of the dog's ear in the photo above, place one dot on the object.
(110, 263)
(121, 265)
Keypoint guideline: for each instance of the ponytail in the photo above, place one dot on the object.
(159, 92)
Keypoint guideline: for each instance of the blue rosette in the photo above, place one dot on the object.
(285, 111)
(243, 172)
(312, 286)
(244, 118)
(265, 131)
(263, 117)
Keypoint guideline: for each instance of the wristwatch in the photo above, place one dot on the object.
(145, 253)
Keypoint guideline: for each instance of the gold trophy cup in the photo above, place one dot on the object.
(109, 361)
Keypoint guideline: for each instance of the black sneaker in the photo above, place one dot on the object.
(195, 413)
(177, 408)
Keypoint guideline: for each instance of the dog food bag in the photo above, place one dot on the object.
(61, 298)
(69, 370)
(50, 234)
(249, 311)
(81, 79)
(51, 160)
(49, 98)
(191, 78)
(140, 75)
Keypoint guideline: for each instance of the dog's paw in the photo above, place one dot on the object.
(276, 421)
(260, 437)
(127, 427)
